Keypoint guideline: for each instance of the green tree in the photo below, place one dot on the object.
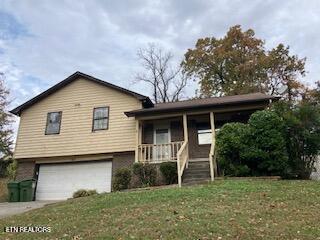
(5, 129)
(302, 135)
(316, 93)
(238, 63)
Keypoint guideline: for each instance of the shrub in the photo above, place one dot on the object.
(231, 146)
(266, 152)
(239, 170)
(122, 179)
(169, 172)
(256, 148)
(11, 170)
(146, 173)
(84, 193)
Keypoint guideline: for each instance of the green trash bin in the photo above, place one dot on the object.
(13, 192)
(27, 188)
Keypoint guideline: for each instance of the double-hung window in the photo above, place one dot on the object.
(100, 118)
(53, 123)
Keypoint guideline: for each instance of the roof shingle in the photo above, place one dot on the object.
(203, 103)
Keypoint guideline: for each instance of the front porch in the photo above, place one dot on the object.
(184, 138)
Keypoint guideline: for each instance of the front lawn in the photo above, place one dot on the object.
(230, 209)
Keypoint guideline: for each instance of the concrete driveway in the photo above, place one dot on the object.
(13, 208)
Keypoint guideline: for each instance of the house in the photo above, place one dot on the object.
(76, 134)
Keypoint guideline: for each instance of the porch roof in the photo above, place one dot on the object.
(212, 102)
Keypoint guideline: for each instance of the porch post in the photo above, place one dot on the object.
(185, 134)
(138, 139)
(185, 127)
(213, 144)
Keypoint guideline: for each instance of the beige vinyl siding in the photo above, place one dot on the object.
(76, 101)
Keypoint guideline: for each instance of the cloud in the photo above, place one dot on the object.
(9, 27)
(45, 42)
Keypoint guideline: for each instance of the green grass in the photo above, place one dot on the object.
(3, 190)
(230, 209)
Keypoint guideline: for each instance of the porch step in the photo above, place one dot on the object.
(197, 172)
(192, 176)
(197, 165)
(198, 160)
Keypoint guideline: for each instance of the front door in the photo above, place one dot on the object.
(162, 147)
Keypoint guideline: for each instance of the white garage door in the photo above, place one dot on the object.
(60, 181)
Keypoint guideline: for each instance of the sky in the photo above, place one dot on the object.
(43, 42)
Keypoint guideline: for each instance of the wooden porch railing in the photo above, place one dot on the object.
(157, 153)
(182, 160)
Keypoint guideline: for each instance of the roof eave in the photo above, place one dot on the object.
(159, 111)
(15, 112)
(146, 102)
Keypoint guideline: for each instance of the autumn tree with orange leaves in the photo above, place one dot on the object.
(239, 63)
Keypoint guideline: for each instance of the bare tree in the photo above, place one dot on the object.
(167, 82)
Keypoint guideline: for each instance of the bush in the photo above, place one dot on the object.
(266, 152)
(256, 148)
(122, 179)
(84, 193)
(169, 172)
(231, 145)
(239, 170)
(146, 173)
(11, 170)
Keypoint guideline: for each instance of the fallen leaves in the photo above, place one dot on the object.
(223, 210)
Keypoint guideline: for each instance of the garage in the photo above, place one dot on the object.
(60, 181)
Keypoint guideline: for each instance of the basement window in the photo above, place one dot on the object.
(53, 123)
(100, 118)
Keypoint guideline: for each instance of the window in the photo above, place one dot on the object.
(53, 123)
(204, 136)
(100, 118)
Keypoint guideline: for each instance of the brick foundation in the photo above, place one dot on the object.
(25, 170)
(121, 160)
